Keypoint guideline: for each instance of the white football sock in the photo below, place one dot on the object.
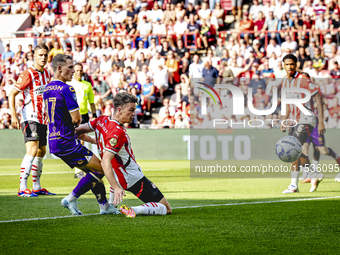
(295, 178)
(112, 197)
(105, 206)
(150, 208)
(71, 197)
(36, 172)
(26, 166)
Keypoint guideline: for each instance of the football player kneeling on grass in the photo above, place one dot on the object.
(114, 147)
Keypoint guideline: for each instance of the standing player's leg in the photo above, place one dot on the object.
(301, 132)
(321, 148)
(89, 163)
(305, 172)
(327, 151)
(78, 173)
(26, 166)
(155, 202)
(316, 140)
(38, 164)
(316, 154)
(37, 172)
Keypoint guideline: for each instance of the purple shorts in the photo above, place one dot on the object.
(81, 156)
(316, 138)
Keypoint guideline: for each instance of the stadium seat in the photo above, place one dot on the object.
(28, 32)
(226, 5)
(65, 7)
(150, 4)
(107, 78)
(325, 72)
(212, 38)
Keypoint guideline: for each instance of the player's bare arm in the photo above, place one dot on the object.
(83, 129)
(107, 168)
(321, 126)
(81, 132)
(87, 138)
(93, 110)
(325, 112)
(76, 118)
(11, 98)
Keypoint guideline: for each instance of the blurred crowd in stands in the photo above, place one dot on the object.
(159, 50)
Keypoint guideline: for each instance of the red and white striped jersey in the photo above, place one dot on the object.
(112, 137)
(301, 81)
(32, 84)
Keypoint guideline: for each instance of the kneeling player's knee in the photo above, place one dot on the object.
(167, 205)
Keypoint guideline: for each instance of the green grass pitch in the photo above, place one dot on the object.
(300, 227)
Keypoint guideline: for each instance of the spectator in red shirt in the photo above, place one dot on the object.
(259, 23)
(259, 96)
(246, 24)
(98, 30)
(35, 8)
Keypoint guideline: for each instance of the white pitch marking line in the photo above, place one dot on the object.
(49, 218)
(42, 173)
(182, 207)
(259, 202)
(18, 174)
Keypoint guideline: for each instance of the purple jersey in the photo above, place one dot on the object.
(316, 138)
(60, 100)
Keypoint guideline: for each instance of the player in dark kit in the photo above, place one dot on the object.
(305, 123)
(118, 160)
(63, 113)
(319, 147)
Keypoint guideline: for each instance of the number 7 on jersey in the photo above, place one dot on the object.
(53, 100)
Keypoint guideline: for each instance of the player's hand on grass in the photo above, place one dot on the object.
(119, 194)
(15, 122)
(321, 127)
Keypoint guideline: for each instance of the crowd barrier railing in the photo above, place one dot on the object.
(189, 39)
(293, 33)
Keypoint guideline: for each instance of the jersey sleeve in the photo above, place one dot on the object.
(24, 80)
(93, 123)
(308, 85)
(115, 141)
(70, 99)
(91, 95)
